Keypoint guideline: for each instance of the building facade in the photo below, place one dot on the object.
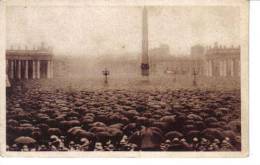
(29, 64)
(222, 61)
(217, 61)
(197, 52)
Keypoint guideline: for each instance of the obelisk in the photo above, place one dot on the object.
(145, 58)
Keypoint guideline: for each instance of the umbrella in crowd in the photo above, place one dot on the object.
(51, 119)
(24, 140)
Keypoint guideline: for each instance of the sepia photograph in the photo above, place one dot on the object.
(125, 77)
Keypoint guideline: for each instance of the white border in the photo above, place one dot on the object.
(244, 78)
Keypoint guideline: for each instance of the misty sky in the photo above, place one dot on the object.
(118, 30)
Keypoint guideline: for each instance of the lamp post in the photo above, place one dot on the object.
(195, 73)
(174, 74)
(106, 73)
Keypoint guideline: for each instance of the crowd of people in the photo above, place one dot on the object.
(57, 144)
(40, 119)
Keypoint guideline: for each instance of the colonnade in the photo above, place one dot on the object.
(29, 69)
(222, 67)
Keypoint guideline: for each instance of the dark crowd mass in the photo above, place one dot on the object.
(39, 119)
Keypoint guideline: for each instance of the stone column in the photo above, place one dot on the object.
(26, 70)
(48, 69)
(33, 70)
(220, 68)
(231, 68)
(225, 68)
(38, 70)
(51, 69)
(209, 68)
(206, 68)
(7, 66)
(19, 69)
(15, 69)
(11, 69)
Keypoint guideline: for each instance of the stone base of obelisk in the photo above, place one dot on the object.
(145, 80)
(145, 74)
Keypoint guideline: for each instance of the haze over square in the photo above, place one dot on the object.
(93, 31)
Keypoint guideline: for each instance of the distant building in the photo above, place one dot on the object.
(222, 61)
(218, 61)
(159, 56)
(197, 52)
(161, 53)
(29, 64)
